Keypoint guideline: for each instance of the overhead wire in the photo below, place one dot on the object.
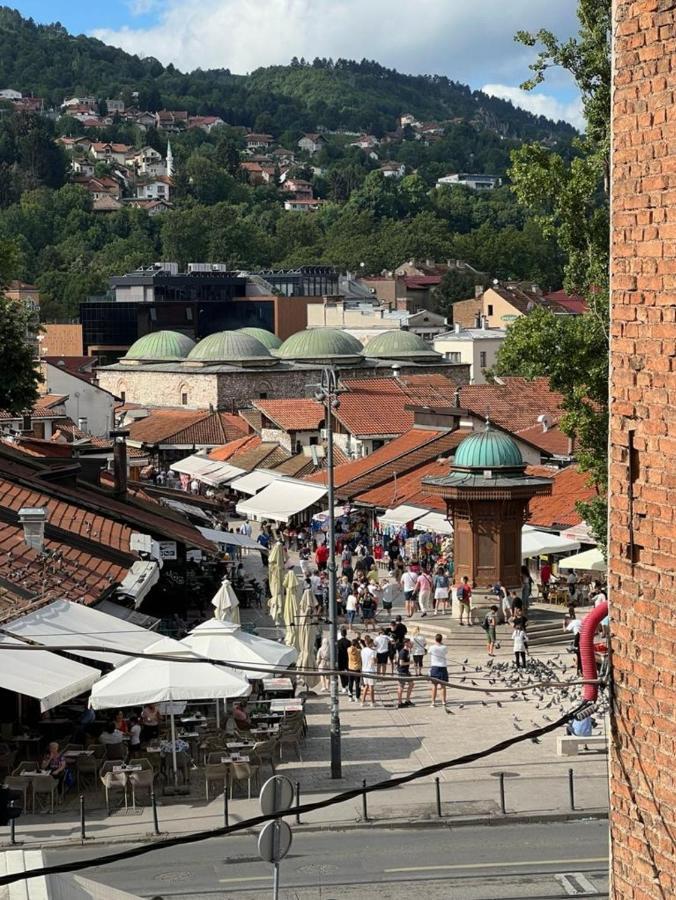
(254, 821)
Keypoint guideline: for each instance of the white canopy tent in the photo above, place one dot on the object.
(223, 473)
(227, 642)
(539, 543)
(588, 561)
(188, 509)
(145, 680)
(401, 515)
(226, 603)
(195, 465)
(46, 677)
(63, 622)
(435, 522)
(281, 500)
(228, 537)
(254, 481)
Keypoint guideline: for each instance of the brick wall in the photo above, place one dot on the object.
(643, 452)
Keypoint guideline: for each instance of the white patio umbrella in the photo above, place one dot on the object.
(145, 680)
(227, 642)
(290, 609)
(306, 632)
(225, 603)
(275, 579)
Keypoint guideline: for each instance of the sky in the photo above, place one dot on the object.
(469, 42)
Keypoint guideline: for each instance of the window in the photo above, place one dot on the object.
(453, 357)
(263, 395)
(184, 399)
(482, 359)
(490, 309)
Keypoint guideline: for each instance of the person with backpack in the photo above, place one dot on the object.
(464, 594)
(489, 625)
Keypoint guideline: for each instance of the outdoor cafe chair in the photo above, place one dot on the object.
(215, 770)
(291, 737)
(143, 780)
(86, 771)
(19, 783)
(44, 786)
(73, 747)
(264, 752)
(7, 757)
(182, 765)
(117, 752)
(113, 781)
(240, 772)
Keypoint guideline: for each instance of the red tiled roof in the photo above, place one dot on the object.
(403, 454)
(421, 281)
(574, 303)
(78, 366)
(513, 403)
(551, 441)
(293, 415)
(225, 452)
(177, 426)
(569, 486)
(375, 406)
(408, 489)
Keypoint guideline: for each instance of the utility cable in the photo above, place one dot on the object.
(254, 821)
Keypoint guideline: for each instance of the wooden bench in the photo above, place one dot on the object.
(570, 745)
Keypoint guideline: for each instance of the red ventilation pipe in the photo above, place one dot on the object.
(587, 657)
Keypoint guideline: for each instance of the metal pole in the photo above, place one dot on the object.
(275, 882)
(82, 818)
(297, 802)
(226, 811)
(438, 793)
(12, 826)
(571, 789)
(503, 805)
(364, 809)
(153, 803)
(329, 376)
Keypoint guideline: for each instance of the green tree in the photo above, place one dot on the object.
(455, 285)
(569, 199)
(19, 384)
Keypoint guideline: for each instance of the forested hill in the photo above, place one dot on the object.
(363, 96)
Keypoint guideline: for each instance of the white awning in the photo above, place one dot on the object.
(127, 615)
(227, 537)
(401, 515)
(46, 677)
(142, 576)
(539, 543)
(223, 473)
(64, 622)
(254, 481)
(195, 465)
(281, 500)
(589, 561)
(435, 522)
(188, 509)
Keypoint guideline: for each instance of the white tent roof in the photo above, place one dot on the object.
(435, 522)
(589, 561)
(194, 465)
(400, 515)
(165, 680)
(49, 678)
(537, 543)
(139, 580)
(281, 500)
(64, 622)
(222, 473)
(254, 481)
(228, 643)
(188, 509)
(228, 537)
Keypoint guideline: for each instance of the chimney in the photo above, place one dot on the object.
(82, 423)
(478, 291)
(477, 320)
(457, 327)
(484, 323)
(33, 521)
(120, 462)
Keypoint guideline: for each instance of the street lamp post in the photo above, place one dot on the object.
(328, 394)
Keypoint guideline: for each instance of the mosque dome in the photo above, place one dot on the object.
(267, 338)
(402, 345)
(160, 345)
(320, 344)
(230, 348)
(488, 449)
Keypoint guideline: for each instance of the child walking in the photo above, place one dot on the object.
(520, 639)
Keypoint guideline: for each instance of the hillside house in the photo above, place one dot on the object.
(299, 205)
(393, 170)
(172, 120)
(115, 107)
(147, 161)
(474, 182)
(312, 142)
(154, 188)
(206, 123)
(109, 153)
(254, 141)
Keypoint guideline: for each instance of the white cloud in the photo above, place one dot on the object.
(472, 44)
(539, 103)
(142, 7)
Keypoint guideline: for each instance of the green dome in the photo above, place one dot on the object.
(397, 344)
(319, 344)
(161, 345)
(232, 347)
(267, 338)
(488, 449)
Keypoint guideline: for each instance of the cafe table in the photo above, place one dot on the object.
(280, 687)
(286, 705)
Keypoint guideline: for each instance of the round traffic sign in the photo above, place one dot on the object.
(276, 795)
(274, 841)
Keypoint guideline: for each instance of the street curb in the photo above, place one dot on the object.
(393, 824)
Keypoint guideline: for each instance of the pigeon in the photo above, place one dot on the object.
(536, 740)
(499, 704)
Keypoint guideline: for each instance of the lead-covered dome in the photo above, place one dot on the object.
(488, 449)
(320, 344)
(160, 345)
(403, 345)
(267, 338)
(230, 348)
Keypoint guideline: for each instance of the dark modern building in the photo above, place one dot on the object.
(305, 281)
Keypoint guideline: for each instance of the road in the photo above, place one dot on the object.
(469, 863)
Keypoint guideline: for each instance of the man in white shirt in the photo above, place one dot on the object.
(574, 626)
(381, 644)
(409, 581)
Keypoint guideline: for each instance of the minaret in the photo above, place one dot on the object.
(170, 160)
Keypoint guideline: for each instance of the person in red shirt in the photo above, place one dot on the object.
(545, 577)
(322, 557)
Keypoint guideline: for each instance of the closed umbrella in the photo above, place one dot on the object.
(306, 633)
(225, 603)
(227, 642)
(290, 606)
(144, 680)
(276, 580)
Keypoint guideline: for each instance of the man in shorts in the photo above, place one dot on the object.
(381, 643)
(409, 581)
(405, 685)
